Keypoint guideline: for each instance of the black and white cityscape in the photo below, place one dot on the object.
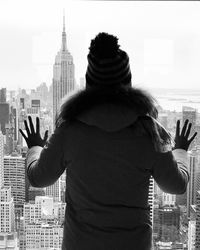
(32, 218)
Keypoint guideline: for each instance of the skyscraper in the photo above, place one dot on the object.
(3, 95)
(197, 238)
(192, 228)
(63, 74)
(7, 222)
(1, 159)
(4, 116)
(14, 176)
(151, 197)
(190, 114)
(192, 185)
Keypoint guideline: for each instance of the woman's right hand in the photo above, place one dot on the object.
(181, 139)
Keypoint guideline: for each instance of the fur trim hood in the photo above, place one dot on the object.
(112, 109)
(106, 108)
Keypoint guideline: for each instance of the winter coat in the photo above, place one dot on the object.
(109, 158)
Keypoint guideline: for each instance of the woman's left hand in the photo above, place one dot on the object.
(33, 137)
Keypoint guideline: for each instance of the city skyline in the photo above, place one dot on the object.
(161, 38)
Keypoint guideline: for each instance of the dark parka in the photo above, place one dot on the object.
(109, 157)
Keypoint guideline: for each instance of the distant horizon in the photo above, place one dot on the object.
(134, 85)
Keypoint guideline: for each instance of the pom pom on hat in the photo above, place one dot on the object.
(107, 64)
(104, 46)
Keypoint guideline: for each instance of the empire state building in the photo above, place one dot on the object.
(63, 74)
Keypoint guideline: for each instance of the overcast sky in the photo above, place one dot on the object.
(162, 39)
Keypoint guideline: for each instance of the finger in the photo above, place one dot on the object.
(178, 128)
(23, 134)
(26, 127)
(192, 138)
(37, 125)
(184, 127)
(188, 130)
(45, 135)
(31, 125)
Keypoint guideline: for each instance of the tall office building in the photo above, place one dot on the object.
(4, 116)
(192, 187)
(169, 221)
(197, 233)
(189, 197)
(14, 176)
(1, 159)
(8, 235)
(3, 95)
(63, 74)
(63, 84)
(7, 221)
(4, 111)
(190, 114)
(192, 228)
(13, 120)
(151, 197)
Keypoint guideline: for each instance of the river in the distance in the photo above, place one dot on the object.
(174, 100)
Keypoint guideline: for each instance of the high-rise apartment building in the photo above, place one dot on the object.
(189, 197)
(7, 217)
(8, 235)
(14, 120)
(1, 159)
(197, 233)
(4, 116)
(192, 185)
(63, 74)
(14, 176)
(151, 197)
(3, 95)
(192, 228)
(169, 221)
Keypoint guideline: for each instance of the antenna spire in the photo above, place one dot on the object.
(63, 20)
(64, 42)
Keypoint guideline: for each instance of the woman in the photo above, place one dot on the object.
(108, 140)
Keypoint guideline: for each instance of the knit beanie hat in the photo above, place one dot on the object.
(107, 64)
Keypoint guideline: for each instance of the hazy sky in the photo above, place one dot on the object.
(161, 38)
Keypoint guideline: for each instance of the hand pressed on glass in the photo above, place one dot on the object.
(181, 139)
(33, 137)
